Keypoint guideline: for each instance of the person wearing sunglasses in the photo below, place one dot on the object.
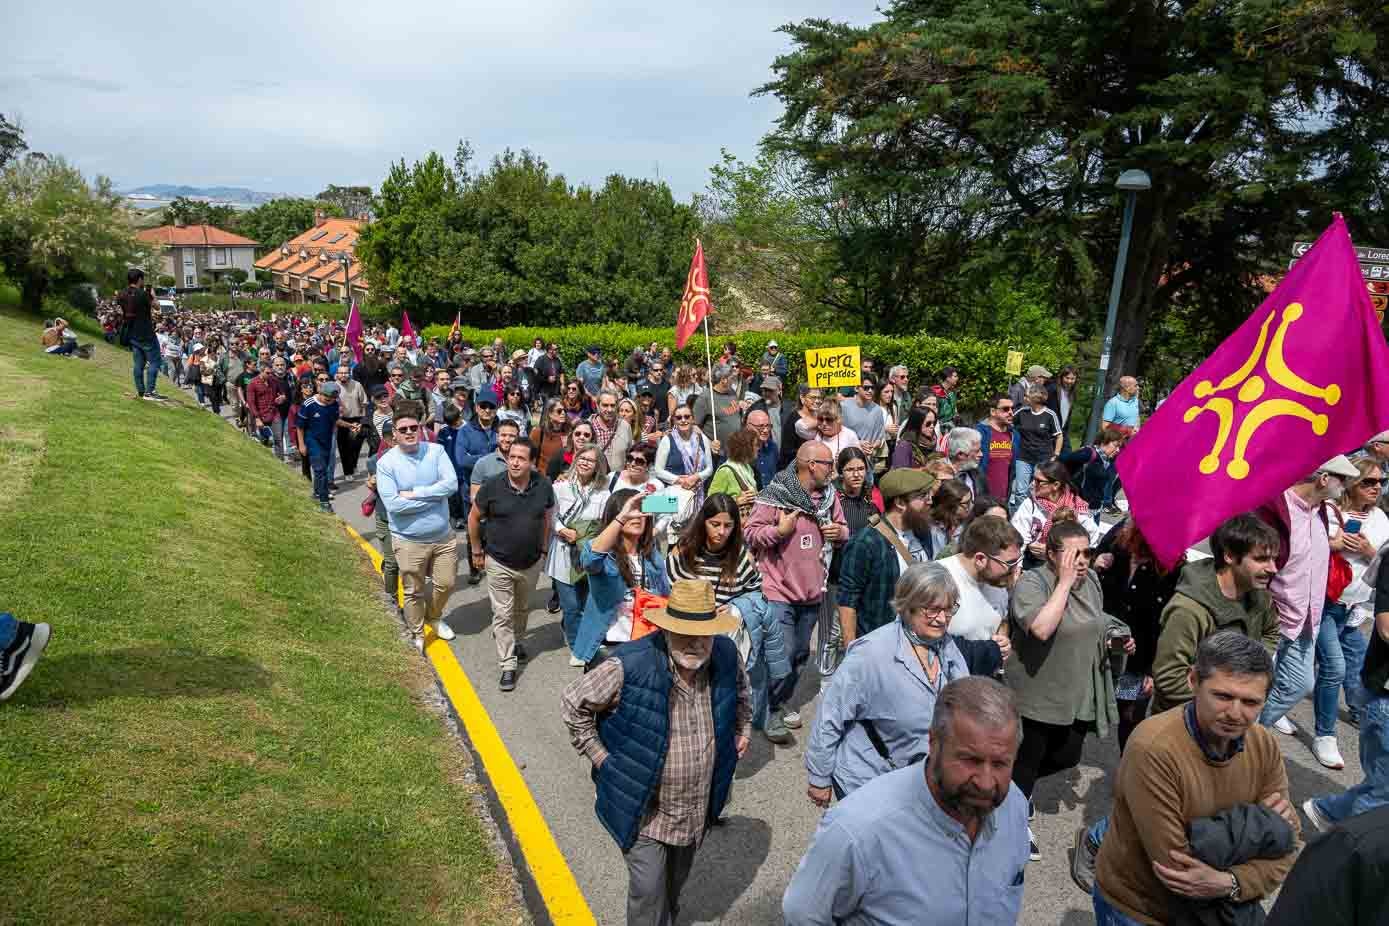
(683, 456)
(1060, 671)
(1051, 494)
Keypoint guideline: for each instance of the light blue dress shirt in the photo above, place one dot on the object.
(430, 475)
(888, 855)
(880, 680)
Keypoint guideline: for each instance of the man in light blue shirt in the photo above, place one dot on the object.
(589, 372)
(415, 480)
(942, 843)
(1121, 411)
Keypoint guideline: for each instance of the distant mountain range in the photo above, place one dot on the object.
(164, 192)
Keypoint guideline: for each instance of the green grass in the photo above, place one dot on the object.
(226, 727)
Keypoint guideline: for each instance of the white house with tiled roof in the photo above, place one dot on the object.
(188, 252)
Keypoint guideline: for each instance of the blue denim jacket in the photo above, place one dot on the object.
(606, 591)
(765, 634)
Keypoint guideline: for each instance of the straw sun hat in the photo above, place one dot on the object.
(692, 611)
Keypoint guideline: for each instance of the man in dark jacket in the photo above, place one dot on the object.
(1341, 879)
(645, 718)
(475, 440)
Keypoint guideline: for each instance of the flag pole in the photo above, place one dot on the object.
(709, 359)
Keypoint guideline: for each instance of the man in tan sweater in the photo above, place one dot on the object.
(1182, 765)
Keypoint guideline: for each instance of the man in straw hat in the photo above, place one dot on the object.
(646, 718)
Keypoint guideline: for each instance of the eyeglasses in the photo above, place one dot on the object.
(853, 469)
(946, 611)
(829, 463)
(826, 418)
(321, 379)
(1010, 565)
(637, 459)
(1043, 481)
(406, 428)
(397, 376)
(1004, 409)
(684, 417)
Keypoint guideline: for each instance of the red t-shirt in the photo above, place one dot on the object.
(1000, 456)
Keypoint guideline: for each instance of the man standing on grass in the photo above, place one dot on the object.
(318, 419)
(414, 480)
(518, 509)
(137, 310)
(664, 721)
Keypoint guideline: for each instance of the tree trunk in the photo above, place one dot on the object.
(32, 290)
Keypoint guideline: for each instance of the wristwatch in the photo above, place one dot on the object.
(1234, 887)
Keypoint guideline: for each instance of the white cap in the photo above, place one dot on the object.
(1339, 466)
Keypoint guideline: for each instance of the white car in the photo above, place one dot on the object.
(167, 306)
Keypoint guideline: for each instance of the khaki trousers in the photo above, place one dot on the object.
(421, 561)
(509, 590)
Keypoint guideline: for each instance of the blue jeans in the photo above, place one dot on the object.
(322, 465)
(1292, 677)
(571, 605)
(1106, 915)
(796, 621)
(147, 362)
(1374, 761)
(1340, 657)
(757, 689)
(1022, 483)
(9, 629)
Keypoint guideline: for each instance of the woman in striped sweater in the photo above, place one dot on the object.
(712, 549)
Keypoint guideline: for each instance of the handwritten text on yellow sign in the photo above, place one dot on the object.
(832, 367)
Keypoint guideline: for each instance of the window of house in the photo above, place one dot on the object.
(189, 280)
(219, 257)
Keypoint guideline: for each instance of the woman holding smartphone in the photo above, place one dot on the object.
(1358, 528)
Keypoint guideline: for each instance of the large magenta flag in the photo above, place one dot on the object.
(1304, 378)
(354, 331)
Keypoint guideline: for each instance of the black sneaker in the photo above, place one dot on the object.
(20, 657)
(474, 578)
(1031, 811)
(553, 604)
(508, 682)
(520, 653)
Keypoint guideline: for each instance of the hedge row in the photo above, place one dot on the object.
(212, 302)
(981, 364)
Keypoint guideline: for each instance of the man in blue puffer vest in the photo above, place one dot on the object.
(646, 718)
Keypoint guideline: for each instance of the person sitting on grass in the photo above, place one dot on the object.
(57, 340)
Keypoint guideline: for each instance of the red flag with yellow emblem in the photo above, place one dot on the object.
(694, 305)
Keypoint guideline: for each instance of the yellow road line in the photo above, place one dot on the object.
(558, 889)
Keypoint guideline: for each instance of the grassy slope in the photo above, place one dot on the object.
(226, 726)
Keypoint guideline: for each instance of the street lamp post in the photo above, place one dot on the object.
(1131, 182)
(346, 292)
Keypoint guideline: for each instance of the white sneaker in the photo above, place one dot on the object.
(792, 719)
(441, 630)
(1285, 726)
(576, 663)
(1309, 807)
(1324, 748)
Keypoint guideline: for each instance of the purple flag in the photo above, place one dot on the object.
(354, 331)
(1304, 378)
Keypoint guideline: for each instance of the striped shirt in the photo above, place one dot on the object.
(710, 568)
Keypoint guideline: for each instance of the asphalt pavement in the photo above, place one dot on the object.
(743, 867)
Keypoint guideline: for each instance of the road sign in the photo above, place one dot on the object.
(1377, 273)
(1363, 254)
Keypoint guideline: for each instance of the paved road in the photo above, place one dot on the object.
(742, 869)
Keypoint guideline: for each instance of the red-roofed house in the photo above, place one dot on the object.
(191, 251)
(314, 266)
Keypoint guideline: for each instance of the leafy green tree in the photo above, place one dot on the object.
(275, 222)
(237, 275)
(516, 243)
(12, 143)
(166, 281)
(1254, 120)
(350, 200)
(56, 229)
(196, 212)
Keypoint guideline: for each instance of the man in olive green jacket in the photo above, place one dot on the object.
(1229, 591)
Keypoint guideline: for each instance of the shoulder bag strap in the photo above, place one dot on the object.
(877, 523)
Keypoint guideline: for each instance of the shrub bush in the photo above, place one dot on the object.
(981, 364)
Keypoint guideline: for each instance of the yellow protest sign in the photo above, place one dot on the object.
(1014, 365)
(832, 367)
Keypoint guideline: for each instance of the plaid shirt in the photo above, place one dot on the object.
(677, 811)
(868, 576)
(603, 432)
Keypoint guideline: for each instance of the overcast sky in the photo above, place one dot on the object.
(291, 96)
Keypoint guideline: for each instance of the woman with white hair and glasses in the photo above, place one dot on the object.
(875, 715)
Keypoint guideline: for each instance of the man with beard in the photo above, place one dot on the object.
(987, 566)
(939, 843)
(876, 557)
(371, 371)
(664, 721)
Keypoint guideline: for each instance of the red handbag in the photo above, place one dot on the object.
(1338, 574)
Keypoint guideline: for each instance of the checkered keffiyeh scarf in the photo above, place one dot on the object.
(786, 492)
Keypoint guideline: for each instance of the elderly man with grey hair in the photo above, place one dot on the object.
(612, 434)
(938, 843)
(724, 416)
(964, 449)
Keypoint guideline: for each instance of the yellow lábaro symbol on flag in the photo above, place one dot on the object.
(1251, 389)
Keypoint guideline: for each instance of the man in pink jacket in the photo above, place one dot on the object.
(794, 526)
